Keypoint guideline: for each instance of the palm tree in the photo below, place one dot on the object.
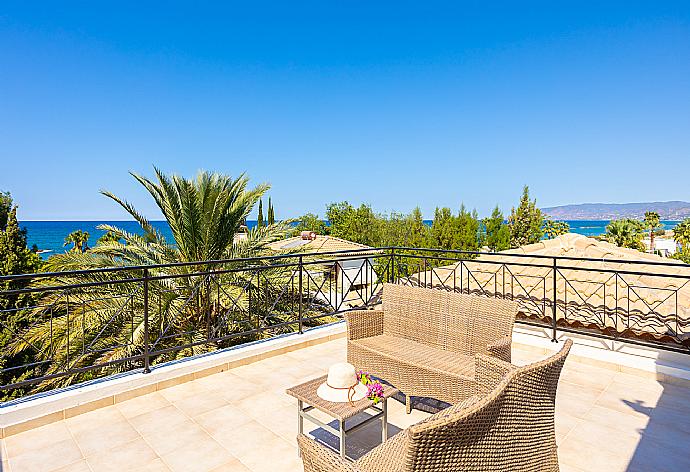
(108, 237)
(95, 325)
(652, 222)
(681, 234)
(80, 240)
(625, 233)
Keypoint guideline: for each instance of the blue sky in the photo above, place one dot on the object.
(394, 104)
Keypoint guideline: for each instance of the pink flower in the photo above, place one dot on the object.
(375, 392)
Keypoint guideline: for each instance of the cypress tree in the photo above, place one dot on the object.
(260, 218)
(271, 214)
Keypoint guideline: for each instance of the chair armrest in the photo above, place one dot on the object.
(488, 372)
(500, 349)
(364, 323)
(317, 458)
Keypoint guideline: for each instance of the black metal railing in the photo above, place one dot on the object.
(68, 327)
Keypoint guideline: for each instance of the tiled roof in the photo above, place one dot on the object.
(322, 243)
(588, 292)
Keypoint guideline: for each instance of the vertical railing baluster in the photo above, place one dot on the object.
(301, 315)
(392, 274)
(147, 354)
(555, 300)
(615, 312)
(68, 327)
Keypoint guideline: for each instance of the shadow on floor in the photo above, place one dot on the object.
(664, 443)
(357, 443)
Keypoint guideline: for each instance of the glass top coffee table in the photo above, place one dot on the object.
(308, 400)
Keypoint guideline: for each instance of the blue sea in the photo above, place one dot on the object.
(49, 236)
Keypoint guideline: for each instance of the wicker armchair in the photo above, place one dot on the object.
(424, 340)
(508, 426)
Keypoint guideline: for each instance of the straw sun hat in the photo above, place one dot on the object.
(342, 385)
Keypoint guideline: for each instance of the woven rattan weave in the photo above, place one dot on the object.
(510, 428)
(424, 340)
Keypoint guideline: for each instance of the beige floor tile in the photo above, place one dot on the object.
(163, 419)
(134, 455)
(580, 454)
(565, 423)
(573, 404)
(184, 390)
(197, 456)
(38, 438)
(568, 388)
(281, 421)
(252, 372)
(103, 436)
(590, 377)
(79, 466)
(157, 465)
(232, 466)
(655, 456)
(233, 387)
(569, 468)
(143, 404)
(277, 362)
(46, 458)
(3, 450)
(601, 436)
(222, 420)
(196, 405)
(304, 354)
(676, 398)
(241, 439)
(185, 433)
(94, 419)
(629, 402)
(267, 400)
(283, 456)
(620, 421)
(277, 380)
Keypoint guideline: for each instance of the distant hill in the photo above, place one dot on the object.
(610, 211)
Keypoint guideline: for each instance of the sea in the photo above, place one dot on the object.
(49, 236)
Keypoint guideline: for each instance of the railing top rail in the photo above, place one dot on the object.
(543, 256)
(5, 278)
(350, 254)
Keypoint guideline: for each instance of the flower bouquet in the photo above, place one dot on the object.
(374, 387)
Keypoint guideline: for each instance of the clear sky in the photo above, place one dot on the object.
(395, 104)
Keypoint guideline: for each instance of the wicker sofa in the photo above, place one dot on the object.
(507, 426)
(424, 340)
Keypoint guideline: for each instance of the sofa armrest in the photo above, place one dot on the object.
(500, 349)
(488, 372)
(317, 458)
(364, 323)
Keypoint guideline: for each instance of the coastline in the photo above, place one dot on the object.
(49, 236)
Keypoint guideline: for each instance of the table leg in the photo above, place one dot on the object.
(384, 421)
(342, 439)
(300, 421)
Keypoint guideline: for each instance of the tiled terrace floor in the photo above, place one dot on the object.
(242, 420)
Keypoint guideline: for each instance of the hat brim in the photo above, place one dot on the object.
(340, 395)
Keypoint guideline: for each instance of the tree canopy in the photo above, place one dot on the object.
(626, 233)
(552, 229)
(204, 214)
(497, 231)
(15, 258)
(525, 221)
